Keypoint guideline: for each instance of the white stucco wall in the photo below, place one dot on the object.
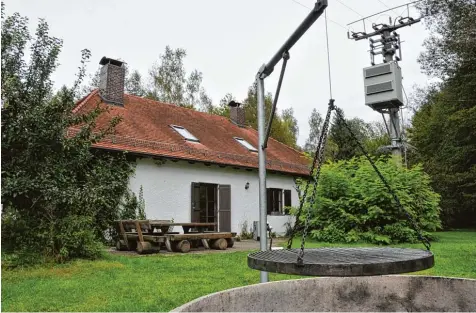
(167, 191)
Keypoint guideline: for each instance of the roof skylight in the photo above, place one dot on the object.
(184, 132)
(246, 144)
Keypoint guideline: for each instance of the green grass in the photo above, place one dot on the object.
(162, 282)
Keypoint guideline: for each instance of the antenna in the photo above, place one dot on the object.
(383, 82)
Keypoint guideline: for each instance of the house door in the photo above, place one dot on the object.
(204, 203)
(211, 203)
(224, 208)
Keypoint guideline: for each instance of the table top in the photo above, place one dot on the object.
(159, 223)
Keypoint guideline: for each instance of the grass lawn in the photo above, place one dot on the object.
(162, 282)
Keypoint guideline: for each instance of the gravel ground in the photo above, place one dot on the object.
(243, 245)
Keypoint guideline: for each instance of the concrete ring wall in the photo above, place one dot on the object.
(338, 294)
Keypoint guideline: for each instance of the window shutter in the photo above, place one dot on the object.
(269, 201)
(287, 200)
(224, 206)
(195, 203)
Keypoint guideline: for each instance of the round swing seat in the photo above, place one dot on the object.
(342, 261)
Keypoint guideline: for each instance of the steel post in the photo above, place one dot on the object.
(393, 112)
(262, 172)
(318, 9)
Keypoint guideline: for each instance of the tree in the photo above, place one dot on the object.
(92, 84)
(290, 122)
(315, 128)
(376, 138)
(58, 195)
(445, 119)
(222, 109)
(169, 82)
(134, 85)
(450, 47)
(280, 130)
(346, 146)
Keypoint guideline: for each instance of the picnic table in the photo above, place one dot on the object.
(142, 235)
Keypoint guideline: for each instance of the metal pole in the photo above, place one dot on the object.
(392, 112)
(262, 172)
(395, 132)
(318, 9)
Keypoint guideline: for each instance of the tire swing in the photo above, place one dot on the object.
(339, 261)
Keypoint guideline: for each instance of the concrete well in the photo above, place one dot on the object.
(337, 294)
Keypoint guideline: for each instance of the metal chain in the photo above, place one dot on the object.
(304, 196)
(424, 240)
(320, 153)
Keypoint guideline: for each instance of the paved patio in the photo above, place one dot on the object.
(243, 245)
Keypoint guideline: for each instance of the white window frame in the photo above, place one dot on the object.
(186, 134)
(245, 144)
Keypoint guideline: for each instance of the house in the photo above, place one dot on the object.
(194, 166)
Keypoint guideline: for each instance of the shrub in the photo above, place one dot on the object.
(59, 195)
(245, 233)
(352, 203)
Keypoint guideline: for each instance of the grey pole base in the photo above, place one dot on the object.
(342, 261)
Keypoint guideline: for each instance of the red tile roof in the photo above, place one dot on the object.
(145, 129)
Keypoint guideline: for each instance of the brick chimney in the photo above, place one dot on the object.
(237, 113)
(111, 82)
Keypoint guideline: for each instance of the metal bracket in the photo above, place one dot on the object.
(262, 72)
(275, 101)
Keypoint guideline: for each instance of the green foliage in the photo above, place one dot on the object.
(141, 205)
(58, 195)
(128, 207)
(170, 84)
(342, 147)
(315, 128)
(132, 207)
(444, 123)
(283, 129)
(246, 233)
(134, 85)
(352, 203)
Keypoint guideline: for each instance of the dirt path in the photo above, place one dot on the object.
(243, 245)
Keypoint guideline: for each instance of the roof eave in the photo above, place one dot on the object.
(152, 155)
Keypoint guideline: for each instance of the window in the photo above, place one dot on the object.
(275, 203)
(246, 144)
(185, 133)
(287, 201)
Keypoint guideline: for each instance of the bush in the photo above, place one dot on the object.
(59, 195)
(245, 233)
(353, 204)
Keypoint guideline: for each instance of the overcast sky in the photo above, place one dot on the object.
(228, 41)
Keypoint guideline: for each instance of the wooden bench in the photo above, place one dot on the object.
(143, 239)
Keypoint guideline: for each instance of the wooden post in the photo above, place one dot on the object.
(139, 231)
(142, 246)
(220, 244)
(123, 233)
(205, 243)
(168, 245)
(183, 246)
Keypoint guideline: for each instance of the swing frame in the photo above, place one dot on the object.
(357, 263)
(264, 71)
